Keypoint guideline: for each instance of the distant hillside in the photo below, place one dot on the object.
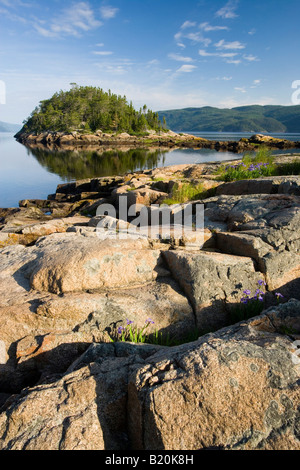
(6, 127)
(242, 119)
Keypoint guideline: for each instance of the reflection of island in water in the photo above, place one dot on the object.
(74, 164)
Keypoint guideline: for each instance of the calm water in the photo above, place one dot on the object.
(33, 174)
(235, 136)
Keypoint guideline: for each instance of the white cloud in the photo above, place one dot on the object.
(228, 54)
(226, 79)
(153, 62)
(45, 32)
(222, 44)
(231, 102)
(252, 31)
(159, 98)
(207, 27)
(72, 21)
(241, 89)
(203, 53)
(228, 11)
(178, 36)
(194, 37)
(115, 67)
(188, 24)
(180, 58)
(4, 12)
(235, 62)
(186, 68)
(251, 58)
(256, 83)
(197, 37)
(108, 12)
(104, 53)
(16, 3)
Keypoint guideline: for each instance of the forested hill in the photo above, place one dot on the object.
(88, 109)
(242, 119)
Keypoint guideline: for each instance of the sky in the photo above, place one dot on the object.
(167, 54)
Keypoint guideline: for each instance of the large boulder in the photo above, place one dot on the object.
(161, 300)
(264, 185)
(265, 228)
(70, 263)
(97, 318)
(142, 196)
(212, 281)
(236, 389)
(84, 410)
(280, 266)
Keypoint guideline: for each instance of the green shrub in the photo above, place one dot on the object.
(288, 169)
(256, 166)
(261, 164)
(184, 192)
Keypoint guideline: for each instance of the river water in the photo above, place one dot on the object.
(33, 174)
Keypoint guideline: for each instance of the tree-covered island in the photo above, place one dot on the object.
(87, 109)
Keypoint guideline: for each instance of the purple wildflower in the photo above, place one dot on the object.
(260, 298)
(247, 292)
(149, 321)
(244, 300)
(120, 330)
(259, 292)
(129, 322)
(278, 295)
(261, 282)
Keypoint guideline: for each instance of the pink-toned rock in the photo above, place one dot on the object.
(212, 281)
(70, 263)
(236, 389)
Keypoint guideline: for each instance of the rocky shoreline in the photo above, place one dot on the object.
(75, 140)
(223, 384)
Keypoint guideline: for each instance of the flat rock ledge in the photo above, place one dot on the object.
(216, 381)
(62, 140)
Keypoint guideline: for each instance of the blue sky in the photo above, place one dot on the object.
(164, 53)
